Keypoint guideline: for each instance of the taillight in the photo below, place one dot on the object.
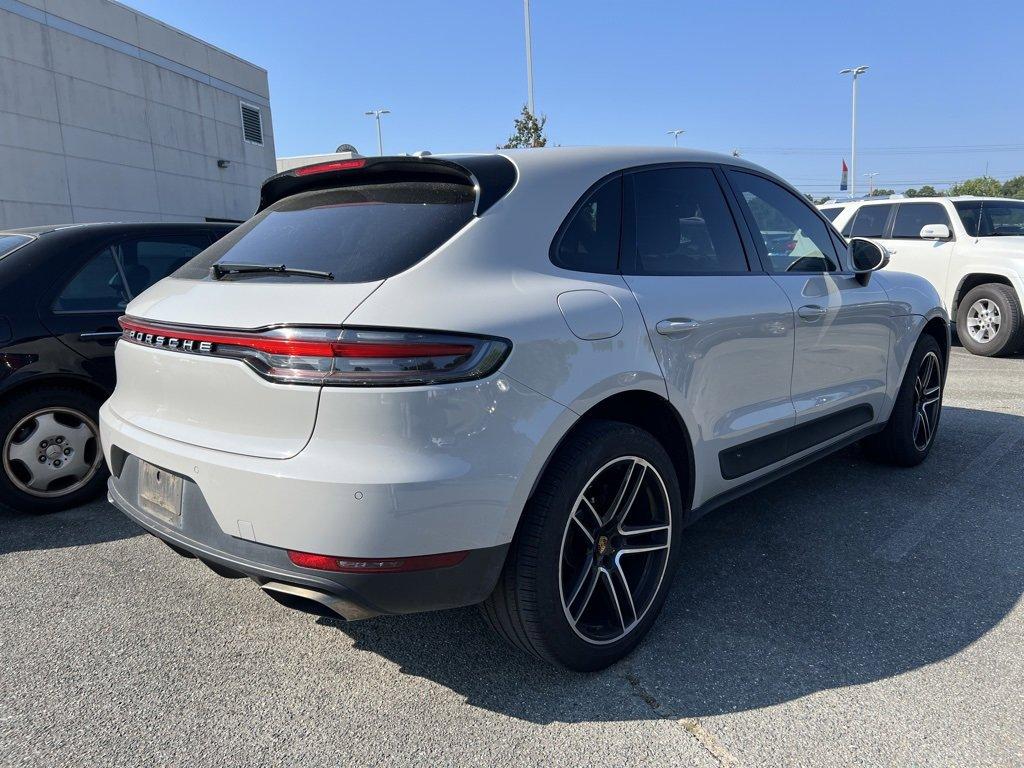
(376, 565)
(354, 357)
(334, 165)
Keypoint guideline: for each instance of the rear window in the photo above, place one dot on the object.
(870, 221)
(359, 233)
(9, 243)
(830, 213)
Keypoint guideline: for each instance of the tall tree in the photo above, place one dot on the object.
(529, 131)
(982, 186)
(926, 191)
(1014, 188)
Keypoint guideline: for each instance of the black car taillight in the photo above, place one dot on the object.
(354, 357)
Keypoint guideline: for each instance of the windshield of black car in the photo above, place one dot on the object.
(359, 233)
(991, 218)
(10, 243)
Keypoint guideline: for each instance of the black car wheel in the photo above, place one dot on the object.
(594, 555)
(910, 432)
(50, 450)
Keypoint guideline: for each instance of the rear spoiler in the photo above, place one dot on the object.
(491, 176)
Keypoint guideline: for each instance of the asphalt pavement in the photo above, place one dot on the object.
(850, 614)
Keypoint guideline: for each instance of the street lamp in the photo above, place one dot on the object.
(871, 181)
(377, 113)
(675, 135)
(856, 72)
(529, 59)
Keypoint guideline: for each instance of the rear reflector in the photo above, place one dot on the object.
(336, 165)
(335, 356)
(389, 565)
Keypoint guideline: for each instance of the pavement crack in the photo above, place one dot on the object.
(707, 740)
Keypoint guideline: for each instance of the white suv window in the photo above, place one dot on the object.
(910, 217)
(869, 221)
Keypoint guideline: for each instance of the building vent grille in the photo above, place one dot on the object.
(252, 124)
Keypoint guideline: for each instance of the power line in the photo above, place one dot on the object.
(892, 151)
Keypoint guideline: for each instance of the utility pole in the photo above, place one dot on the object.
(529, 60)
(675, 135)
(856, 72)
(377, 113)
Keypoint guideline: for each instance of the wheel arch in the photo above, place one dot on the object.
(648, 411)
(972, 280)
(62, 380)
(938, 328)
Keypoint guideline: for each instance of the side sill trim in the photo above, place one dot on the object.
(742, 490)
(764, 451)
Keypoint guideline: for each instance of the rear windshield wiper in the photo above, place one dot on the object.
(221, 269)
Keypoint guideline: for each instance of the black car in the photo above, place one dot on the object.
(61, 292)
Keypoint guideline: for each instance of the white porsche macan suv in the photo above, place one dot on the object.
(412, 383)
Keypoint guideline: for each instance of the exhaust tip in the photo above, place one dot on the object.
(315, 602)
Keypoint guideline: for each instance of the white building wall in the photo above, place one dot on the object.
(109, 115)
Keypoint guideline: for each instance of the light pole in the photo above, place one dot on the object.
(856, 72)
(377, 113)
(529, 59)
(871, 181)
(675, 135)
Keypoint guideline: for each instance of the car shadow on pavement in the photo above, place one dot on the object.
(844, 573)
(93, 523)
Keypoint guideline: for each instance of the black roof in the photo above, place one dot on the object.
(114, 227)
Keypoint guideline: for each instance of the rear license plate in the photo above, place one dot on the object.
(160, 493)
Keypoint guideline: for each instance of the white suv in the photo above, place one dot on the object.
(510, 379)
(970, 248)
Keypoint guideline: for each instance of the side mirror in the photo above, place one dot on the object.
(867, 257)
(935, 232)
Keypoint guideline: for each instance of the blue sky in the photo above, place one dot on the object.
(757, 76)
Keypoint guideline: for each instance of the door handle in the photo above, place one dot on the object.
(811, 312)
(677, 326)
(99, 335)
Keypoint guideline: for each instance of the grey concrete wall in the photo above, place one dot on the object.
(109, 115)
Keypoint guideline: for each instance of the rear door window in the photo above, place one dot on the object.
(870, 221)
(830, 213)
(97, 287)
(359, 234)
(682, 225)
(151, 258)
(911, 217)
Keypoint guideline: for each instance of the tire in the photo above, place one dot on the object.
(563, 563)
(991, 310)
(916, 411)
(58, 424)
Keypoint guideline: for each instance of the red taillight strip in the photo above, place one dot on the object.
(304, 348)
(376, 565)
(377, 349)
(336, 165)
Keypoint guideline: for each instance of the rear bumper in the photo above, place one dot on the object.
(348, 595)
(388, 473)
